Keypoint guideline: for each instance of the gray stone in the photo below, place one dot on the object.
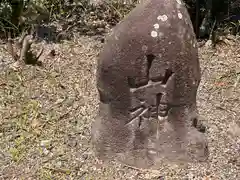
(147, 78)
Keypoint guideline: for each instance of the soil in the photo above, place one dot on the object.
(46, 115)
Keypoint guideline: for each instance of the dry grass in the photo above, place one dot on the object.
(46, 114)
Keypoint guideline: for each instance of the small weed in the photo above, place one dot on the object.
(45, 174)
(19, 150)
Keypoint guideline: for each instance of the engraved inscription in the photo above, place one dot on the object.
(168, 74)
(104, 98)
(141, 78)
(146, 97)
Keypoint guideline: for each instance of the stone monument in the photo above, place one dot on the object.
(147, 78)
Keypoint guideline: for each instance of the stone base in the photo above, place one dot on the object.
(168, 148)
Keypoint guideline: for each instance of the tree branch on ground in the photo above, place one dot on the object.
(21, 51)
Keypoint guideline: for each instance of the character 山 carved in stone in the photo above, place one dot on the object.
(147, 78)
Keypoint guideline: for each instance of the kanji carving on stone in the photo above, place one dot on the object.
(146, 99)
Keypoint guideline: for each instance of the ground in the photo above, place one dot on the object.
(46, 115)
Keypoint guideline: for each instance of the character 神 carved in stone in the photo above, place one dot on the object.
(147, 78)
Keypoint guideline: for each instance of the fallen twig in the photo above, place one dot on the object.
(59, 170)
(22, 53)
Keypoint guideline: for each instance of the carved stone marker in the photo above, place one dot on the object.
(147, 79)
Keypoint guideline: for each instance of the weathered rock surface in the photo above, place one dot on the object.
(147, 78)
